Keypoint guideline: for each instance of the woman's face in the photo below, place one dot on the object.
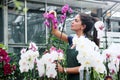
(77, 24)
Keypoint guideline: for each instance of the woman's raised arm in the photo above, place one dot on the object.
(56, 32)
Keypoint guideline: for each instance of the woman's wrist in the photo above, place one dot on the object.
(53, 30)
(65, 70)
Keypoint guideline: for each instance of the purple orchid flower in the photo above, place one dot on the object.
(65, 8)
(62, 17)
(46, 22)
(70, 10)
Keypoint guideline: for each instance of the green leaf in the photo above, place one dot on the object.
(25, 10)
(3, 46)
(18, 4)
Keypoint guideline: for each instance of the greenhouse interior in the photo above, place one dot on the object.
(59, 39)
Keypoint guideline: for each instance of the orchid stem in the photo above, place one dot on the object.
(119, 72)
(62, 32)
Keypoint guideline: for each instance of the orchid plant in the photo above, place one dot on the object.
(46, 64)
(100, 27)
(89, 56)
(111, 57)
(51, 21)
(52, 16)
(106, 62)
(6, 68)
(28, 59)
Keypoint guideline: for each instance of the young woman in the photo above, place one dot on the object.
(81, 24)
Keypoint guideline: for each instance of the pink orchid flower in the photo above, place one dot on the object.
(108, 56)
(23, 51)
(52, 49)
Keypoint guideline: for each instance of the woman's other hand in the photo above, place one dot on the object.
(59, 68)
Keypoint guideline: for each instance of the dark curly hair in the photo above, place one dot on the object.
(89, 21)
(86, 20)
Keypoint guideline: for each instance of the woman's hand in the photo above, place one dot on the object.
(56, 32)
(53, 12)
(53, 26)
(59, 68)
